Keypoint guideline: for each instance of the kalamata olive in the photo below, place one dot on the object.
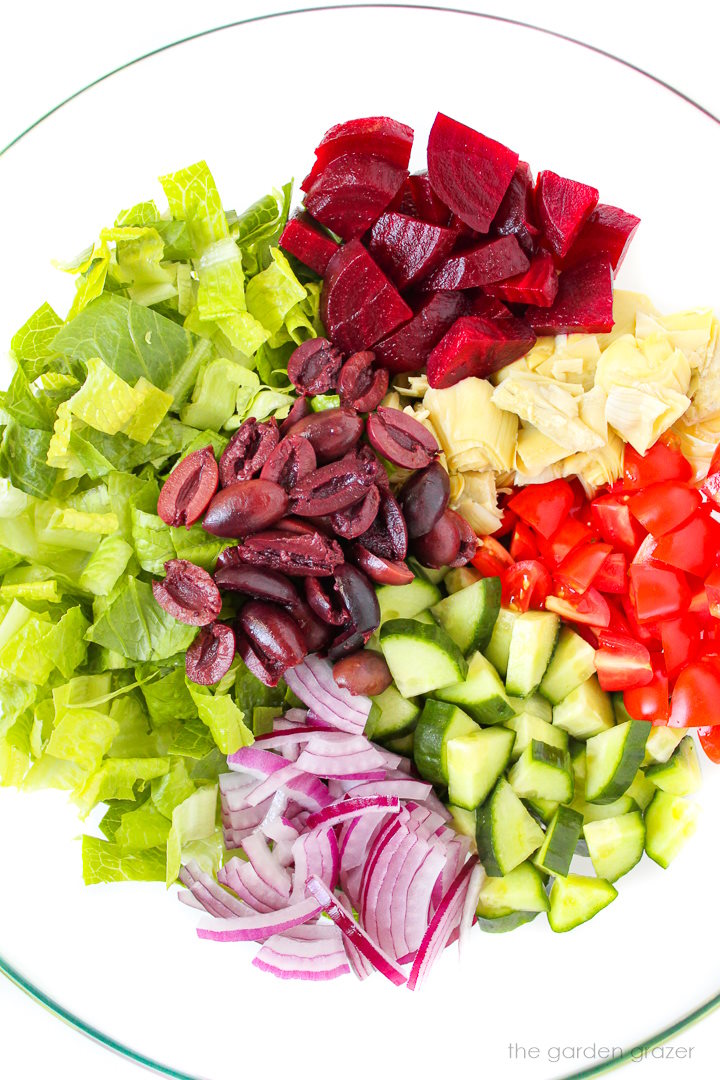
(297, 554)
(273, 634)
(299, 409)
(440, 546)
(259, 583)
(248, 450)
(255, 665)
(317, 634)
(387, 536)
(304, 526)
(326, 601)
(188, 593)
(400, 438)
(189, 488)
(211, 654)
(354, 520)
(364, 672)
(290, 461)
(361, 382)
(333, 487)
(382, 571)
(359, 598)
(332, 432)
(347, 643)
(313, 367)
(468, 541)
(245, 507)
(424, 498)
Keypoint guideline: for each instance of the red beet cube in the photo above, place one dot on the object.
(409, 347)
(417, 199)
(516, 214)
(408, 249)
(583, 303)
(492, 260)
(479, 345)
(608, 231)
(358, 305)
(352, 191)
(538, 285)
(307, 243)
(468, 171)
(562, 206)
(377, 135)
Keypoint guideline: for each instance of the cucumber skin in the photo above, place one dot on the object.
(430, 734)
(409, 629)
(566, 826)
(572, 881)
(488, 590)
(503, 924)
(632, 756)
(637, 853)
(484, 835)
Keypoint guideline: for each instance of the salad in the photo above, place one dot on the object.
(358, 567)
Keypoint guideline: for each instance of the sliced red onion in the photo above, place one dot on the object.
(314, 953)
(260, 927)
(472, 898)
(335, 754)
(444, 922)
(391, 890)
(292, 718)
(279, 779)
(352, 808)
(186, 897)
(255, 761)
(207, 892)
(237, 812)
(431, 800)
(275, 811)
(406, 788)
(280, 830)
(240, 876)
(276, 740)
(309, 792)
(312, 681)
(418, 898)
(359, 964)
(265, 864)
(315, 853)
(283, 852)
(386, 844)
(345, 922)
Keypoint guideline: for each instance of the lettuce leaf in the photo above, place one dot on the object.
(32, 344)
(272, 293)
(167, 698)
(193, 740)
(222, 716)
(215, 394)
(24, 656)
(192, 819)
(171, 789)
(23, 459)
(106, 566)
(221, 281)
(83, 736)
(104, 401)
(133, 738)
(151, 406)
(142, 828)
(103, 862)
(194, 198)
(116, 779)
(65, 643)
(137, 628)
(198, 546)
(27, 408)
(152, 540)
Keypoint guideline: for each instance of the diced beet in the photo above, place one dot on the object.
(583, 303)
(516, 214)
(478, 345)
(562, 207)
(352, 191)
(493, 260)
(378, 135)
(608, 231)
(430, 206)
(469, 172)
(538, 285)
(408, 249)
(409, 347)
(307, 243)
(358, 304)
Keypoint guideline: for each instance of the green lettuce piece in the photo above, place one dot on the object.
(138, 628)
(101, 454)
(106, 566)
(13, 764)
(110, 821)
(142, 213)
(197, 546)
(193, 740)
(65, 643)
(171, 789)
(139, 254)
(263, 220)
(27, 408)
(48, 590)
(32, 344)
(208, 853)
(84, 521)
(83, 691)
(221, 281)
(24, 656)
(250, 693)
(15, 699)
(244, 332)
(272, 293)
(126, 490)
(152, 541)
(104, 402)
(324, 401)
(192, 819)
(142, 828)
(133, 738)
(215, 394)
(91, 282)
(270, 403)
(83, 736)
(19, 733)
(209, 767)
(151, 406)
(214, 439)
(116, 779)
(167, 698)
(194, 198)
(56, 773)
(103, 862)
(222, 716)
(8, 559)
(23, 459)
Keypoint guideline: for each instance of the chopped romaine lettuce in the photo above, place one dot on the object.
(103, 862)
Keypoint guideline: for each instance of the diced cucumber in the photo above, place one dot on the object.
(469, 615)
(585, 712)
(615, 844)
(425, 573)
(474, 763)
(502, 924)
(534, 704)
(528, 727)
(531, 645)
(506, 835)
(460, 578)
(669, 822)
(572, 663)
(421, 658)
(543, 772)
(542, 810)
(596, 812)
(406, 601)
(522, 889)
(619, 710)
(498, 648)
(613, 758)
(481, 693)
(391, 716)
(425, 617)
(661, 744)
(681, 774)
(403, 745)
(560, 841)
(641, 789)
(463, 821)
(438, 723)
(576, 899)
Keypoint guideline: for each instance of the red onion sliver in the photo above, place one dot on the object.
(352, 808)
(469, 911)
(265, 864)
(260, 927)
(243, 879)
(359, 964)
(314, 953)
(404, 789)
(444, 922)
(254, 760)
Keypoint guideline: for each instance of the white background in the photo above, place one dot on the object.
(49, 50)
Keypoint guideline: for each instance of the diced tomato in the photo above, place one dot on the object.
(491, 558)
(622, 663)
(526, 585)
(618, 621)
(652, 701)
(522, 545)
(580, 499)
(679, 642)
(544, 506)
(613, 521)
(700, 607)
(645, 552)
(658, 593)
(612, 577)
(693, 547)
(712, 591)
(715, 462)
(590, 608)
(579, 569)
(710, 742)
(570, 535)
(661, 462)
(661, 507)
(507, 523)
(647, 632)
(711, 487)
(696, 695)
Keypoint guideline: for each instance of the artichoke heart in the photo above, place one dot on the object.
(689, 331)
(626, 306)
(698, 442)
(477, 502)
(640, 417)
(706, 394)
(652, 363)
(535, 452)
(552, 407)
(473, 432)
(600, 467)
